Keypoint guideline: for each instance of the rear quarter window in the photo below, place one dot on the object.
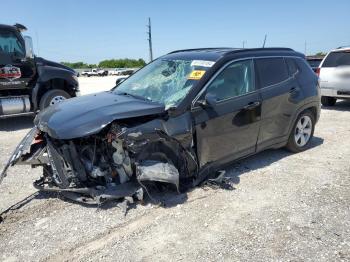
(271, 71)
(335, 59)
(292, 66)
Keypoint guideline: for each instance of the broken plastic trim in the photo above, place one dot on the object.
(158, 171)
(94, 196)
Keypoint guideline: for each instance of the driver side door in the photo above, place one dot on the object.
(228, 127)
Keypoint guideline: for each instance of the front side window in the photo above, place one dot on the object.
(235, 80)
(165, 81)
(10, 44)
(271, 71)
(340, 58)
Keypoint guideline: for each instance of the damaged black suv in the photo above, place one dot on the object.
(178, 120)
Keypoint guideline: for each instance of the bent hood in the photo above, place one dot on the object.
(87, 115)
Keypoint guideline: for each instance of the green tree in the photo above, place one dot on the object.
(75, 65)
(109, 63)
(121, 63)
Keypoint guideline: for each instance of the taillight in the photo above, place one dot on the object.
(318, 71)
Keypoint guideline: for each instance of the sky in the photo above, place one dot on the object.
(90, 31)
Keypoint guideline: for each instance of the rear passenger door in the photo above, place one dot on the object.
(280, 93)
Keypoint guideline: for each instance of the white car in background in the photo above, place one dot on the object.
(334, 74)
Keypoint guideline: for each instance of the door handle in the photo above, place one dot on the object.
(252, 105)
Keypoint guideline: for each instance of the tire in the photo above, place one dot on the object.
(328, 101)
(302, 132)
(52, 97)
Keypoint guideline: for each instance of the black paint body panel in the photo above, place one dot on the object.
(87, 115)
(216, 135)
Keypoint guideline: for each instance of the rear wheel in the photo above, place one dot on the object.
(328, 101)
(302, 132)
(53, 97)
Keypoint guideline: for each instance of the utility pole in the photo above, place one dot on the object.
(150, 39)
(305, 48)
(244, 43)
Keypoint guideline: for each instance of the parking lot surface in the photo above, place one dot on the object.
(283, 207)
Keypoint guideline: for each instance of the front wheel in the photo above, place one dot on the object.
(302, 132)
(53, 97)
(328, 101)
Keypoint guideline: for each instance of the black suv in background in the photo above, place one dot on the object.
(180, 118)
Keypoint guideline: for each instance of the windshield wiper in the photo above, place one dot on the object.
(135, 96)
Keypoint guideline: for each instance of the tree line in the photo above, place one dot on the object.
(109, 63)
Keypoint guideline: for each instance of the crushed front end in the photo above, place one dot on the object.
(117, 162)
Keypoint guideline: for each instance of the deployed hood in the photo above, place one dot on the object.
(87, 115)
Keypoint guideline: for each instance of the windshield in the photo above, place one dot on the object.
(10, 44)
(165, 81)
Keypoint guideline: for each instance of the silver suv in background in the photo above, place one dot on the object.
(334, 73)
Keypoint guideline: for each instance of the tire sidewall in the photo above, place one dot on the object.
(292, 145)
(49, 95)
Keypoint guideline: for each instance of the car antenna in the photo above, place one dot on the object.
(264, 42)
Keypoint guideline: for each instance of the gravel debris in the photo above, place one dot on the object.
(284, 207)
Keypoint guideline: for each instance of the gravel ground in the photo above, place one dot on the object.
(283, 207)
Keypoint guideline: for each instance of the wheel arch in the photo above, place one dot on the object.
(52, 83)
(50, 77)
(313, 107)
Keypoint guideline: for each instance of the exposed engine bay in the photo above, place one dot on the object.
(115, 163)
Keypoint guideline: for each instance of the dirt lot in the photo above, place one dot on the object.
(284, 207)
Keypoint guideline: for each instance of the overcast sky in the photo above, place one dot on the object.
(90, 31)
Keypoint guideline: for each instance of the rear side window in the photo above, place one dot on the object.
(292, 66)
(271, 71)
(335, 59)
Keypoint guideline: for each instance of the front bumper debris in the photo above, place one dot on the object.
(22, 149)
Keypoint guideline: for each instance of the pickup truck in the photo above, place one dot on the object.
(95, 72)
(122, 71)
(29, 83)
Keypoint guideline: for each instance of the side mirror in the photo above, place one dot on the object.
(208, 101)
(211, 99)
(29, 46)
(119, 80)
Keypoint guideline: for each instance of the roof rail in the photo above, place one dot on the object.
(346, 46)
(199, 49)
(263, 49)
(235, 50)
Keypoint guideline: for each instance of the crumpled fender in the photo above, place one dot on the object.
(170, 139)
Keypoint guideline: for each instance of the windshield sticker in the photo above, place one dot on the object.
(202, 63)
(196, 74)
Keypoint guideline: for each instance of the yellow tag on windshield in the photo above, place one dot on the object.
(196, 74)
